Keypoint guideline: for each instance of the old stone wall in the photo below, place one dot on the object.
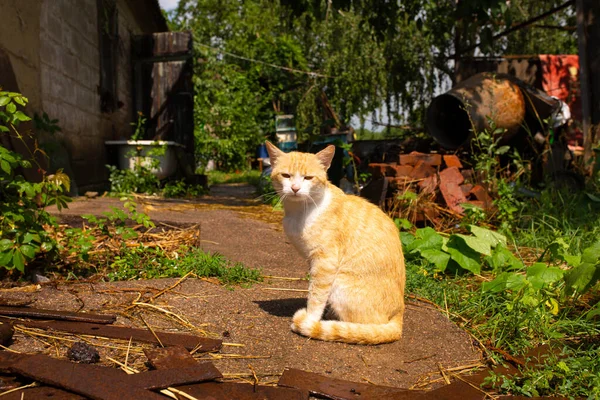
(20, 39)
(70, 75)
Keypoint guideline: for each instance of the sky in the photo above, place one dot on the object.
(168, 4)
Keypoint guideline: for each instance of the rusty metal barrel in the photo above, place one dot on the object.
(470, 106)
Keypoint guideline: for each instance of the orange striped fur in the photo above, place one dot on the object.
(353, 249)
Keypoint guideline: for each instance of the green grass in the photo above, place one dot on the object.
(521, 319)
(515, 323)
(150, 263)
(251, 177)
(572, 216)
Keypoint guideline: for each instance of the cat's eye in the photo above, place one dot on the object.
(285, 175)
(308, 178)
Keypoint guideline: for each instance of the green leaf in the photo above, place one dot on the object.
(497, 285)
(21, 116)
(5, 167)
(4, 100)
(593, 312)
(6, 257)
(4, 129)
(493, 238)
(19, 100)
(29, 237)
(18, 261)
(540, 275)
(502, 258)
(591, 254)
(47, 246)
(593, 197)
(515, 282)
(406, 239)
(436, 257)
(427, 238)
(5, 244)
(479, 245)
(581, 278)
(464, 255)
(11, 108)
(28, 251)
(502, 150)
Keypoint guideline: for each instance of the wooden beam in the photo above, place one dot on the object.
(588, 33)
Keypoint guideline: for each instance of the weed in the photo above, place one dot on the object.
(23, 219)
(157, 265)
(516, 307)
(181, 189)
(251, 177)
(139, 127)
(139, 180)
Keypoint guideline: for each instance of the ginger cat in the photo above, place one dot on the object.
(353, 249)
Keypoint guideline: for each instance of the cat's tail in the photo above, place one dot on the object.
(348, 332)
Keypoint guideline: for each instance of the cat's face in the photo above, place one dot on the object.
(299, 176)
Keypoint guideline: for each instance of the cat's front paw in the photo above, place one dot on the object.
(299, 317)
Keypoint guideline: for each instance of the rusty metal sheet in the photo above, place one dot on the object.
(95, 382)
(177, 356)
(161, 379)
(242, 391)
(28, 312)
(188, 341)
(8, 358)
(6, 333)
(170, 357)
(106, 383)
(43, 392)
(338, 389)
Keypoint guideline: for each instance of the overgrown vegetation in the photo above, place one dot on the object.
(285, 57)
(117, 245)
(533, 282)
(23, 220)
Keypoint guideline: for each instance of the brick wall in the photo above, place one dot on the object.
(70, 75)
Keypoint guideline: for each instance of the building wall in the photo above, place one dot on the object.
(70, 75)
(20, 39)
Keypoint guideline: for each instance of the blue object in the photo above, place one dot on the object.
(262, 151)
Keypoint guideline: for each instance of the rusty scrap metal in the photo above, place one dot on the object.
(177, 356)
(27, 312)
(188, 341)
(242, 391)
(6, 333)
(95, 382)
(338, 389)
(43, 392)
(170, 357)
(105, 383)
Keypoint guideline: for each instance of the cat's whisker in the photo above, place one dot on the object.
(313, 200)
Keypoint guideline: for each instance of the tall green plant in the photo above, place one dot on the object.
(23, 220)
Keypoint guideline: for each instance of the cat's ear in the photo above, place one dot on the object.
(274, 152)
(325, 156)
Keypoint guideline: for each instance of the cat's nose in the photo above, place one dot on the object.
(295, 188)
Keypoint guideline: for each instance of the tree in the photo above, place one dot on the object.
(258, 58)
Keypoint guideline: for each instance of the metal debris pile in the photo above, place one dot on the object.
(426, 187)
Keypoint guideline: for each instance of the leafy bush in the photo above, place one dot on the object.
(181, 189)
(24, 223)
(139, 180)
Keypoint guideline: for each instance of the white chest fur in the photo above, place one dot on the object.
(300, 218)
